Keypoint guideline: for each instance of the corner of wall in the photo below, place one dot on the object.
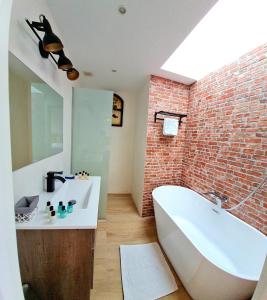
(121, 148)
(164, 155)
(140, 146)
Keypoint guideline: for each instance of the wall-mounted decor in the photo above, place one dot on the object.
(117, 111)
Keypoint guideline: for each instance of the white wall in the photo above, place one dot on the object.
(121, 149)
(140, 146)
(23, 44)
(10, 284)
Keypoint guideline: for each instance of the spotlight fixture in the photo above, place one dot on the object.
(51, 45)
(73, 74)
(63, 62)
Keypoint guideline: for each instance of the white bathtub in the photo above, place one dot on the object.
(216, 255)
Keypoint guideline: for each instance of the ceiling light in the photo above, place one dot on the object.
(113, 70)
(122, 10)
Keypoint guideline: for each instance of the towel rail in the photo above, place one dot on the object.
(165, 113)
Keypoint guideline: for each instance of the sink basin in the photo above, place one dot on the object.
(78, 190)
(85, 212)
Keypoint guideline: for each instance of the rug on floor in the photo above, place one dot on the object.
(145, 272)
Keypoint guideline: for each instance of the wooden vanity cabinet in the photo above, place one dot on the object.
(58, 264)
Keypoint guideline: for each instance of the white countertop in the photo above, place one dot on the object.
(80, 218)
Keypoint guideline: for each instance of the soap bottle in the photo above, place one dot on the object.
(70, 207)
(60, 204)
(53, 216)
(47, 208)
(63, 212)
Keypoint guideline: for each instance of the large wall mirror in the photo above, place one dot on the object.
(36, 116)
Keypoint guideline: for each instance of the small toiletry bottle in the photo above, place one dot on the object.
(53, 216)
(60, 204)
(63, 212)
(70, 207)
(51, 208)
(47, 208)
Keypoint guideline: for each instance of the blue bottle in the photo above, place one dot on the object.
(60, 204)
(70, 207)
(63, 212)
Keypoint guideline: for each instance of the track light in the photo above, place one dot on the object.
(51, 44)
(73, 74)
(63, 62)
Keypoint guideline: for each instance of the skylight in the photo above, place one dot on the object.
(230, 29)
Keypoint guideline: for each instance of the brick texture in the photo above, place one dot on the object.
(226, 135)
(164, 155)
(222, 145)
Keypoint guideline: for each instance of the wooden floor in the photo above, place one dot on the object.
(123, 226)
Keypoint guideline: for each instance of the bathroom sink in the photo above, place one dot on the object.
(85, 211)
(78, 190)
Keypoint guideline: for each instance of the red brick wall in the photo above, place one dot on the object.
(224, 144)
(164, 155)
(226, 135)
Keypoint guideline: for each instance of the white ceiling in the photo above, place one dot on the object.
(136, 44)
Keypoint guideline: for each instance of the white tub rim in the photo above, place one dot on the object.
(236, 274)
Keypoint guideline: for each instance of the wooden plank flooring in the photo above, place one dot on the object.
(123, 226)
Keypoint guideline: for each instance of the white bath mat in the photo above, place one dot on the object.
(145, 272)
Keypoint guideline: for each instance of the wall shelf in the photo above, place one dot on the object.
(165, 113)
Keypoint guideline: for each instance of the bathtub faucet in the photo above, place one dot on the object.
(217, 198)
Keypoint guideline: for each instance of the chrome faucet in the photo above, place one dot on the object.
(218, 199)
